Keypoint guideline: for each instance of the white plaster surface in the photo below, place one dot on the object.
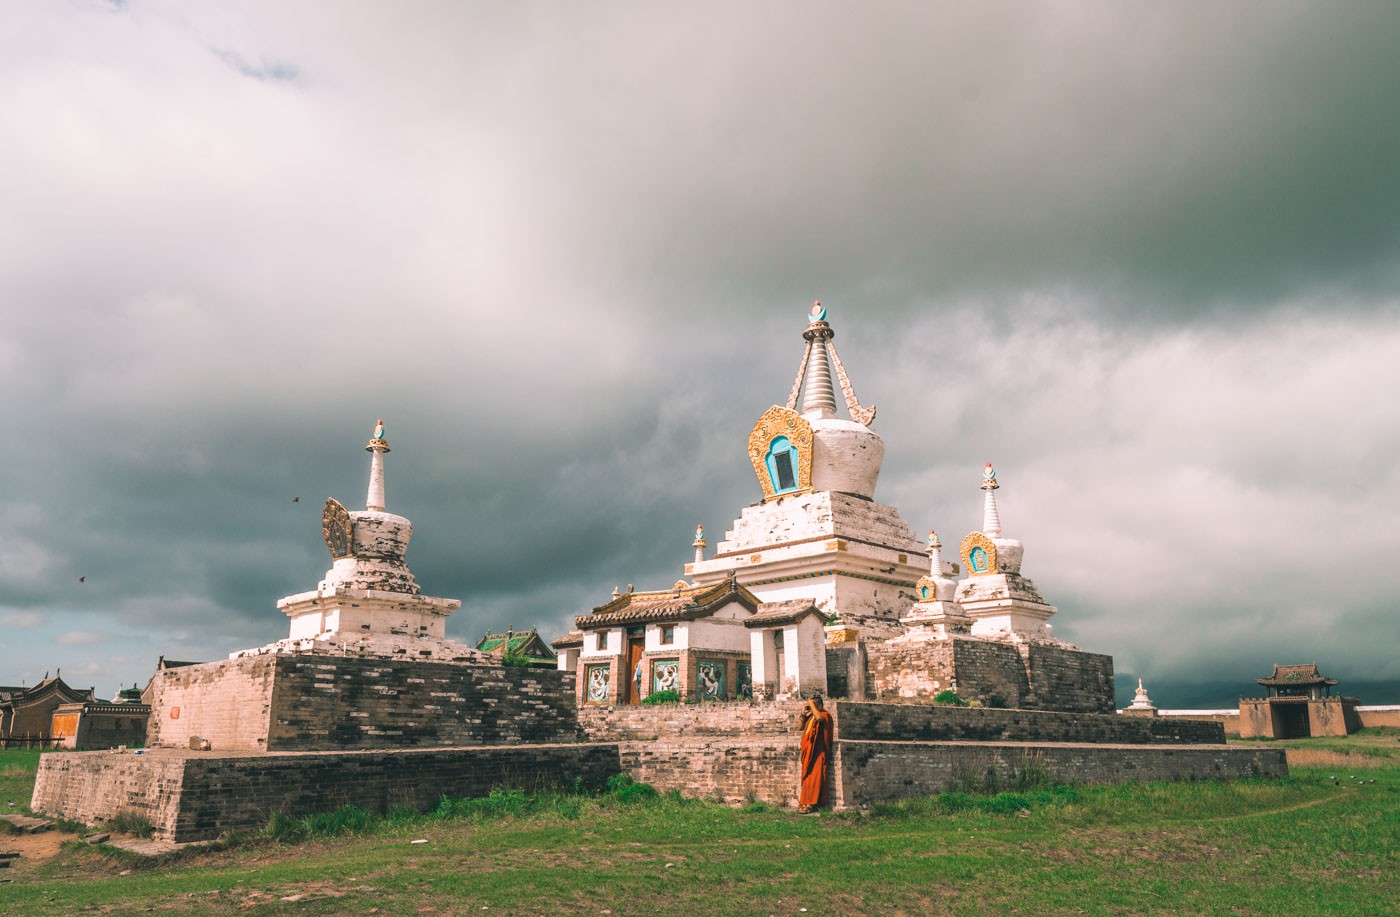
(846, 457)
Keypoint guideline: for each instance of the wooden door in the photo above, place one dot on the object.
(635, 645)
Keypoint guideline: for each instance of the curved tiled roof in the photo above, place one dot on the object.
(684, 603)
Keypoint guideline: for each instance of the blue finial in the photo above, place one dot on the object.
(818, 313)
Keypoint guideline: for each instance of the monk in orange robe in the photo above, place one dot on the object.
(816, 746)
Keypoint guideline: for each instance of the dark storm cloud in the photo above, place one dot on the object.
(1141, 258)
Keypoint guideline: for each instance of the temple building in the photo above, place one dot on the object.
(26, 714)
(519, 647)
(819, 588)
(102, 724)
(1299, 704)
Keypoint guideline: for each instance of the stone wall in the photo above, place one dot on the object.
(110, 727)
(338, 702)
(920, 723)
(1371, 717)
(663, 721)
(871, 772)
(726, 769)
(997, 674)
(318, 701)
(191, 796)
(1070, 680)
(226, 702)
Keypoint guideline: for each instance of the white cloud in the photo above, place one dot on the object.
(80, 638)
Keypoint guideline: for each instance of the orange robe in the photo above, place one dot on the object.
(816, 745)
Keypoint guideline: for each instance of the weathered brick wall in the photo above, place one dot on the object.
(920, 723)
(225, 702)
(1070, 680)
(96, 786)
(108, 730)
(337, 702)
(188, 796)
(643, 723)
(999, 674)
(886, 771)
(991, 672)
(325, 702)
(727, 769)
(1370, 717)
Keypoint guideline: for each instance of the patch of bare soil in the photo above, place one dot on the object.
(33, 849)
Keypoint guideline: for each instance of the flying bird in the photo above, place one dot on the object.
(296, 499)
(82, 579)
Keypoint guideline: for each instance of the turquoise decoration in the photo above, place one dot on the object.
(818, 313)
(923, 592)
(782, 460)
(977, 559)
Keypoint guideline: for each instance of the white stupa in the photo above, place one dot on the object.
(1002, 603)
(818, 533)
(368, 603)
(936, 615)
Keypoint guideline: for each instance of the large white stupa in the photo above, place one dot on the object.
(818, 532)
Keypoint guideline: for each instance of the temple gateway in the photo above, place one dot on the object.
(818, 588)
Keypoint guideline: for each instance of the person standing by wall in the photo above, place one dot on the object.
(816, 747)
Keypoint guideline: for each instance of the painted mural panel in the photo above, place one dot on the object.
(743, 681)
(709, 680)
(597, 682)
(666, 675)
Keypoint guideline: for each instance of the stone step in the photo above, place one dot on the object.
(28, 825)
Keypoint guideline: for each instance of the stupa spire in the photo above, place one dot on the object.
(991, 522)
(376, 447)
(935, 554)
(814, 374)
(699, 544)
(818, 396)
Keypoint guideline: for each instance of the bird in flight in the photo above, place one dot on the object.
(296, 499)
(82, 579)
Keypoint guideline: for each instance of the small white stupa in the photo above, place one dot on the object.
(368, 603)
(936, 615)
(1002, 603)
(1142, 704)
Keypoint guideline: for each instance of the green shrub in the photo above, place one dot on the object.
(949, 698)
(624, 789)
(285, 829)
(131, 823)
(516, 660)
(662, 697)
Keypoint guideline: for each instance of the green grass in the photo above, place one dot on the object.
(1298, 845)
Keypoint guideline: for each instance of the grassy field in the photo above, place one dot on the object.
(1323, 841)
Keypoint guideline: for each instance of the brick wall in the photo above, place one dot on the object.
(337, 702)
(886, 771)
(226, 702)
(1070, 680)
(727, 769)
(318, 701)
(634, 724)
(1029, 676)
(920, 723)
(188, 796)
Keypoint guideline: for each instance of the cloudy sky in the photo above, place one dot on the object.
(1144, 258)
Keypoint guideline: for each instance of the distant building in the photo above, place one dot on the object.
(526, 644)
(98, 724)
(1299, 704)
(27, 713)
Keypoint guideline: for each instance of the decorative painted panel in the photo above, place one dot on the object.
(709, 680)
(597, 683)
(795, 433)
(666, 675)
(743, 681)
